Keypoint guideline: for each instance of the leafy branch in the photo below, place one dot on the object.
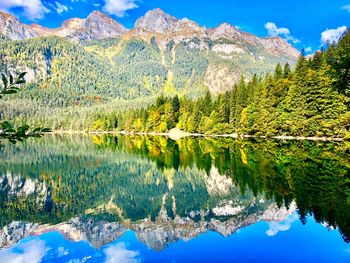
(10, 85)
(7, 130)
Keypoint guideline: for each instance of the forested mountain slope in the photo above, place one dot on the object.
(96, 60)
(312, 100)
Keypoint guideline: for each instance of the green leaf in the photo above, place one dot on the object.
(9, 91)
(22, 75)
(11, 79)
(4, 80)
(20, 81)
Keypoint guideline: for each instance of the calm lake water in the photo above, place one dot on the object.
(151, 199)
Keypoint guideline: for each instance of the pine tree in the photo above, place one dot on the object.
(278, 72)
(207, 102)
(286, 71)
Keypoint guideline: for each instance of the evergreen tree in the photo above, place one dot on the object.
(278, 72)
(286, 71)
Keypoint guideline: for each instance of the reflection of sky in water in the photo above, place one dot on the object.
(287, 241)
(275, 227)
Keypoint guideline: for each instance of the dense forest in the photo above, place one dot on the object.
(70, 85)
(311, 100)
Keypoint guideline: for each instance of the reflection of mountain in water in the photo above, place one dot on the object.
(155, 234)
(165, 190)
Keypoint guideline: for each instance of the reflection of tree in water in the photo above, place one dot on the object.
(80, 177)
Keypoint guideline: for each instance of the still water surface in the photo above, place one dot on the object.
(151, 199)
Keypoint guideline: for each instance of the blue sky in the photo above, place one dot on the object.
(301, 22)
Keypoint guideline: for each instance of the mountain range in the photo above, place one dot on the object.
(97, 59)
(155, 23)
(156, 235)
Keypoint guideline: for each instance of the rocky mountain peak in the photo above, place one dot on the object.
(158, 11)
(101, 26)
(73, 23)
(186, 24)
(224, 30)
(278, 45)
(156, 21)
(226, 27)
(11, 27)
(6, 16)
(98, 14)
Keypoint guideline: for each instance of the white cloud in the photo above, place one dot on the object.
(273, 31)
(119, 253)
(33, 9)
(308, 49)
(60, 8)
(275, 227)
(29, 252)
(332, 35)
(346, 7)
(119, 7)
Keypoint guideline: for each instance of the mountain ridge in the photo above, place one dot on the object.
(155, 23)
(11, 27)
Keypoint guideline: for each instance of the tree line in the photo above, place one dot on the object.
(311, 100)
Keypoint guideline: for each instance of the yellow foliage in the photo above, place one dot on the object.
(98, 140)
(99, 124)
(243, 156)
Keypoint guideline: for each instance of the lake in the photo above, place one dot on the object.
(152, 199)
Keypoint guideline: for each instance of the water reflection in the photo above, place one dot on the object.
(96, 188)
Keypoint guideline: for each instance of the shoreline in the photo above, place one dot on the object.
(178, 134)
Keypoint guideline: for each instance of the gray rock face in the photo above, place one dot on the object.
(14, 232)
(278, 45)
(164, 231)
(98, 26)
(275, 45)
(156, 21)
(226, 31)
(96, 233)
(102, 26)
(155, 234)
(165, 28)
(11, 27)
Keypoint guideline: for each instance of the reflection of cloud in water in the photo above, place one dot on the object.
(119, 253)
(61, 251)
(29, 252)
(275, 227)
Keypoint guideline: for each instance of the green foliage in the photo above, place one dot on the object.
(10, 85)
(66, 76)
(311, 101)
(7, 130)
